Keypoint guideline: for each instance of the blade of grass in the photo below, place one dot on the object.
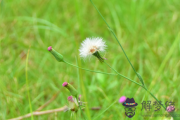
(48, 25)
(163, 64)
(27, 85)
(79, 87)
(83, 91)
(104, 110)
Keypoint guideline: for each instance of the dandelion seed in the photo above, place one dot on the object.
(92, 46)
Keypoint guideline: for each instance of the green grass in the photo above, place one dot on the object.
(146, 30)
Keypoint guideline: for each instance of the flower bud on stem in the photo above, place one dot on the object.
(72, 90)
(57, 55)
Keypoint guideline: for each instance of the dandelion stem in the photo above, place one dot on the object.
(154, 97)
(143, 86)
(90, 70)
(123, 75)
(117, 41)
(173, 114)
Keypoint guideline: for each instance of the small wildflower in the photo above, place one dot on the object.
(92, 46)
(72, 90)
(122, 99)
(57, 55)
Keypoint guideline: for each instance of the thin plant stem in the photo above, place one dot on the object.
(75, 116)
(83, 90)
(123, 75)
(116, 40)
(89, 70)
(154, 97)
(173, 114)
(105, 110)
(139, 85)
(105, 72)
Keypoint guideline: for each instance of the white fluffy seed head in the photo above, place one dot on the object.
(90, 46)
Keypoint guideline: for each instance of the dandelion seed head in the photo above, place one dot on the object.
(91, 45)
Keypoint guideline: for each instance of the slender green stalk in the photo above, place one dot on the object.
(173, 114)
(105, 110)
(75, 116)
(154, 97)
(79, 88)
(123, 75)
(85, 97)
(116, 40)
(139, 85)
(105, 72)
(89, 70)
(28, 86)
(77, 96)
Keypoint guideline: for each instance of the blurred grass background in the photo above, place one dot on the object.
(146, 30)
